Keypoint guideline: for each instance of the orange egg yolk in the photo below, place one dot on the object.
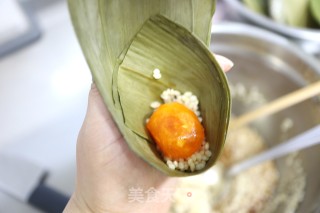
(176, 130)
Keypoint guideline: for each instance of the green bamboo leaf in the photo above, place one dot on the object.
(296, 12)
(202, 17)
(315, 10)
(105, 28)
(109, 29)
(187, 65)
(259, 6)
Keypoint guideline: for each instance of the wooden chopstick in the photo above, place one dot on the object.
(277, 105)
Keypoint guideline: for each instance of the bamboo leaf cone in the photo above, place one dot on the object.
(124, 40)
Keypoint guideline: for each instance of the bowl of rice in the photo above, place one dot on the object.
(267, 66)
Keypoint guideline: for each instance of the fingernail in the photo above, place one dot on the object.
(224, 62)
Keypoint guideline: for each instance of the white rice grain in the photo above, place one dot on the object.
(171, 165)
(156, 74)
(155, 104)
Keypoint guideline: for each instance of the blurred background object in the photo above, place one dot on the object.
(17, 26)
(268, 66)
(297, 20)
(43, 96)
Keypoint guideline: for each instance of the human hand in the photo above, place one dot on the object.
(107, 170)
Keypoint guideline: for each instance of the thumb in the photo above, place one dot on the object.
(97, 110)
(98, 123)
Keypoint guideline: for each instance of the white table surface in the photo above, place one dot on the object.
(43, 98)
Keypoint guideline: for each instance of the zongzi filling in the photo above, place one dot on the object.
(176, 128)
